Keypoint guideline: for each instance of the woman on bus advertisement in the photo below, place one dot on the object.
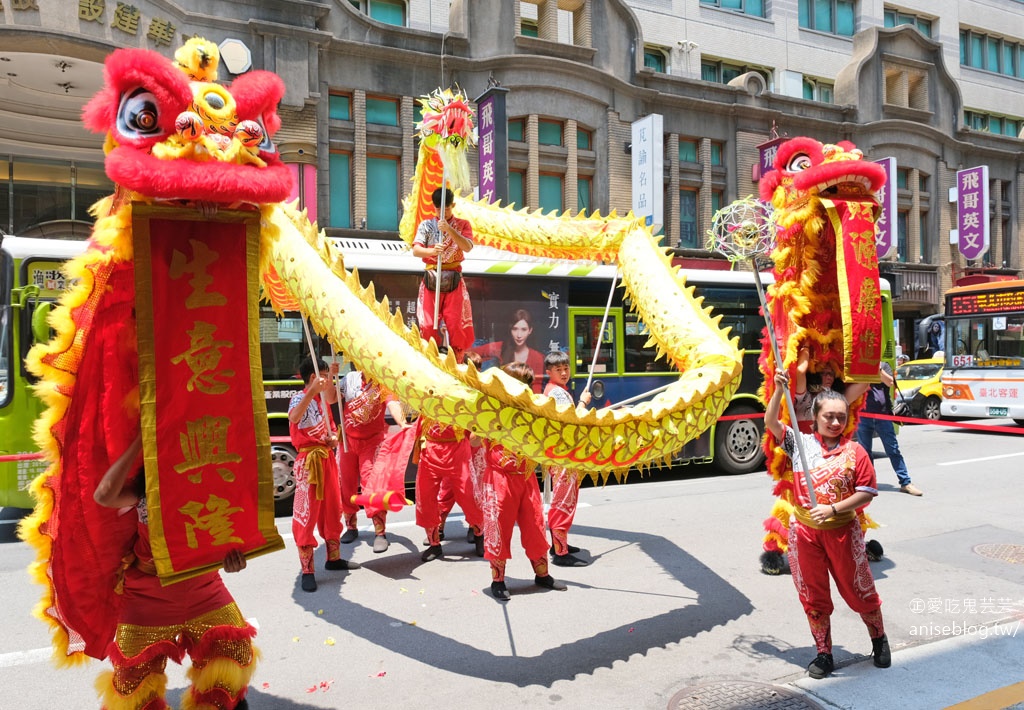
(517, 347)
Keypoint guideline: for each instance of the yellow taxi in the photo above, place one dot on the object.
(920, 387)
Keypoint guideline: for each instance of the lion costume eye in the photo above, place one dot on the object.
(138, 115)
(800, 161)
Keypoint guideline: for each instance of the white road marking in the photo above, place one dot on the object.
(984, 458)
(24, 658)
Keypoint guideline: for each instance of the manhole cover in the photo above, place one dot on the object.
(739, 695)
(1014, 554)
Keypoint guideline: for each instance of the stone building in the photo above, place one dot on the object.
(935, 85)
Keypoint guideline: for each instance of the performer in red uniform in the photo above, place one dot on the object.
(317, 502)
(447, 238)
(363, 406)
(445, 457)
(565, 485)
(827, 538)
(197, 616)
(511, 496)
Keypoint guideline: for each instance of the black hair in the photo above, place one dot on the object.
(825, 396)
(555, 358)
(449, 197)
(306, 369)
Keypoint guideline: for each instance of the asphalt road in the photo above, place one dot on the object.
(674, 599)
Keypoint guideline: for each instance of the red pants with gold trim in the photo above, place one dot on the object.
(513, 498)
(456, 312)
(445, 464)
(318, 506)
(356, 467)
(816, 554)
(565, 493)
(196, 616)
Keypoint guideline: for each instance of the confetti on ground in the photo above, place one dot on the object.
(423, 591)
(266, 686)
(630, 629)
(474, 592)
(402, 590)
(320, 612)
(295, 639)
(329, 641)
(380, 675)
(412, 623)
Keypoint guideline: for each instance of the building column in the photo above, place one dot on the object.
(914, 248)
(547, 20)
(406, 121)
(996, 246)
(532, 187)
(672, 203)
(704, 195)
(581, 25)
(570, 187)
(359, 210)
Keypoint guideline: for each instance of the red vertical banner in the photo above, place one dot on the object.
(206, 441)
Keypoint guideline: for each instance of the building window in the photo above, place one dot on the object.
(689, 235)
(584, 139)
(905, 86)
(551, 193)
(549, 132)
(818, 90)
(832, 16)
(717, 197)
(993, 54)
(584, 190)
(515, 189)
(901, 235)
(341, 189)
(383, 112)
(716, 153)
(528, 28)
(340, 107)
(926, 244)
(391, 12)
(990, 123)
(687, 151)
(901, 178)
(516, 130)
(382, 185)
(747, 7)
(655, 58)
(722, 72)
(895, 18)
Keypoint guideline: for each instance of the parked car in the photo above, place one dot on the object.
(920, 386)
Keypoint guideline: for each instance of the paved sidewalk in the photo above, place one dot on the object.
(980, 670)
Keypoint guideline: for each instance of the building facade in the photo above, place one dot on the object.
(935, 85)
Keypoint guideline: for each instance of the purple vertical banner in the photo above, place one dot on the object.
(766, 157)
(492, 145)
(886, 238)
(972, 211)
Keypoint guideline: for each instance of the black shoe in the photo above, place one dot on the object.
(471, 536)
(478, 543)
(243, 704)
(308, 583)
(500, 592)
(432, 553)
(821, 666)
(873, 549)
(572, 549)
(568, 561)
(549, 582)
(880, 651)
(341, 564)
(350, 536)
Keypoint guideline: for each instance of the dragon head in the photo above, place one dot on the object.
(447, 128)
(804, 168)
(173, 133)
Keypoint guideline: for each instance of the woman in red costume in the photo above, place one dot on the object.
(517, 347)
(827, 538)
(197, 616)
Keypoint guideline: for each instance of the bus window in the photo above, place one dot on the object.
(588, 337)
(637, 355)
(5, 355)
(282, 345)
